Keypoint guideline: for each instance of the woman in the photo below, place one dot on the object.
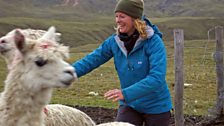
(140, 61)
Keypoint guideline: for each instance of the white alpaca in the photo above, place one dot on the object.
(8, 49)
(61, 115)
(40, 62)
(55, 115)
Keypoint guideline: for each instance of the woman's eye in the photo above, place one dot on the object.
(122, 16)
(40, 62)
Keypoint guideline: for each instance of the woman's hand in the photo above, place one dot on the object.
(114, 95)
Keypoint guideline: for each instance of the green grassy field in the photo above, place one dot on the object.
(85, 27)
(85, 36)
(199, 70)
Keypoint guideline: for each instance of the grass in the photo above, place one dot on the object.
(199, 70)
(83, 37)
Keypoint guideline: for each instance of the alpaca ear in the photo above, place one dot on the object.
(50, 34)
(19, 40)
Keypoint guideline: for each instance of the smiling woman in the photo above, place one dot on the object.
(140, 61)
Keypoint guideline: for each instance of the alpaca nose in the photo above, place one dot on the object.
(2, 46)
(2, 41)
(69, 72)
(69, 77)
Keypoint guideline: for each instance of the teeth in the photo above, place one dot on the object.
(119, 26)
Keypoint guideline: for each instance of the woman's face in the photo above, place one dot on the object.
(124, 23)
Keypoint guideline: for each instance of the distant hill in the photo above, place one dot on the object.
(91, 21)
(92, 8)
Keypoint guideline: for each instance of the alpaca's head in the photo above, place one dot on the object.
(7, 46)
(40, 61)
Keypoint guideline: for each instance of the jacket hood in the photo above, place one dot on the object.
(154, 27)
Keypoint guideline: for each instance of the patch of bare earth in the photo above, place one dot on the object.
(101, 115)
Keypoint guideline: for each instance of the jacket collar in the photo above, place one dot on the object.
(150, 33)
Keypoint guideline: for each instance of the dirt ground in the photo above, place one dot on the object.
(101, 115)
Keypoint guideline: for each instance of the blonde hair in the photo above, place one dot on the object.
(140, 26)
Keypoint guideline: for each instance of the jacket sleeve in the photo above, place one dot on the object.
(93, 60)
(155, 79)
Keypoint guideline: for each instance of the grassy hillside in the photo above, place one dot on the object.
(92, 21)
(74, 33)
(194, 27)
(81, 32)
(197, 8)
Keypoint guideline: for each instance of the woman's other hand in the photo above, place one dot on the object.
(114, 95)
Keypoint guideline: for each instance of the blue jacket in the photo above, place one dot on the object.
(142, 72)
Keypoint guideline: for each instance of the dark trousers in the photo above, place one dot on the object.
(127, 114)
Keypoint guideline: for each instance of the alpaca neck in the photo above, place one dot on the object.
(10, 57)
(22, 106)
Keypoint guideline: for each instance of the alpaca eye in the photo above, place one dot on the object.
(40, 62)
